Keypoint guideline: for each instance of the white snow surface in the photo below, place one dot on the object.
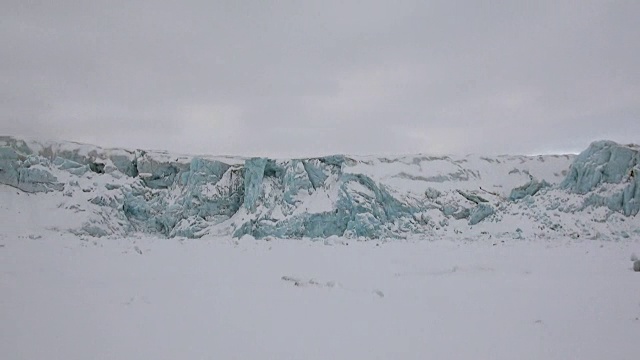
(66, 297)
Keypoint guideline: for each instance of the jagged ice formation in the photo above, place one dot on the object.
(119, 192)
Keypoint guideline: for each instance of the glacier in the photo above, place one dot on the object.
(120, 192)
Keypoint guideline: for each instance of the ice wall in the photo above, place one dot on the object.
(609, 174)
(122, 192)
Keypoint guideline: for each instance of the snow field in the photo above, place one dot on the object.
(64, 297)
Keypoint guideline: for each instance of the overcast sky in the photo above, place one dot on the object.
(297, 78)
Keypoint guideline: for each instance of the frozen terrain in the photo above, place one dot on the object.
(132, 254)
(144, 298)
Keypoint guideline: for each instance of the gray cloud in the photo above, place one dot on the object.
(309, 78)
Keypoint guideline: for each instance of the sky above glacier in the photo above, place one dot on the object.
(300, 78)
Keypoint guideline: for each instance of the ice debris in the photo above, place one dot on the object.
(529, 189)
(472, 197)
(479, 213)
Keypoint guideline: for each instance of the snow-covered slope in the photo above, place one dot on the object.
(88, 190)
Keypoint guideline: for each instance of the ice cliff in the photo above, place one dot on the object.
(119, 192)
(608, 174)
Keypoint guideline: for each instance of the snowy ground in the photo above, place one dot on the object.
(62, 297)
